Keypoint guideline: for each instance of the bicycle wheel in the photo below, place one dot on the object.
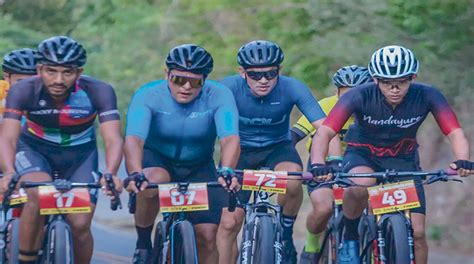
(326, 247)
(59, 247)
(13, 241)
(396, 250)
(264, 240)
(367, 233)
(183, 244)
(160, 247)
(245, 255)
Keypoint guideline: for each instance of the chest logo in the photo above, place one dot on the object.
(42, 102)
(401, 123)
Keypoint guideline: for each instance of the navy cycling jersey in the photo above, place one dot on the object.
(386, 130)
(71, 123)
(183, 133)
(265, 121)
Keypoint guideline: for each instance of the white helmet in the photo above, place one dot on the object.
(393, 62)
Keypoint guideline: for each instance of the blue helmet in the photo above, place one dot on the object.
(350, 76)
(22, 61)
(191, 58)
(260, 53)
(393, 62)
(62, 51)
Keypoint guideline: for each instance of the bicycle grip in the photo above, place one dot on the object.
(132, 203)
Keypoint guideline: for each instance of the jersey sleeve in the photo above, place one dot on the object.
(226, 116)
(442, 112)
(307, 103)
(139, 115)
(105, 101)
(17, 100)
(343, 110)
(303, 127)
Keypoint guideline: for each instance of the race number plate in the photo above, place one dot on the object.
(71, 202)
(393, 197)
(17, 197)
(338, 194)
(195, 199)
(269, 181)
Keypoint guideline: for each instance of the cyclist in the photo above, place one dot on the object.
(388, 114)
(321, 195)
(60, 107)
(16, 65)
(264, 100)
(172, 126)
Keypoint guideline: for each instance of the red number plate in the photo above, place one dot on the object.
(393, 197)
(71, 202)
(270, 181)
(17, 197)
(195, 199)
(338, 194)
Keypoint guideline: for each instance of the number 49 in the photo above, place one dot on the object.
(398, 197)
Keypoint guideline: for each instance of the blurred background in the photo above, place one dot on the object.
(127, 42)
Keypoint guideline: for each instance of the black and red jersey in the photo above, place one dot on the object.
(66, 125)
(386, 130)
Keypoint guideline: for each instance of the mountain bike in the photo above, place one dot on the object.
(262, 231)
(58, 198)
(387, 237)
(10, 223)
(175, 240)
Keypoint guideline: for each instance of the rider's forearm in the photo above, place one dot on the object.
(230, 151)
(320, 145)
(133, 150)
(296, 136)
(113, 142)
(459, 144)
(113, 154)
(7, 155)
(335, 148)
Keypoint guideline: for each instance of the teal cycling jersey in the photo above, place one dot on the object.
(183, 133)
(264, 121)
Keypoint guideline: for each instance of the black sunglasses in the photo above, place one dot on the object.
(182, 80)
(257, 75)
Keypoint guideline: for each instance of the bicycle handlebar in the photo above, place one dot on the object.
(61, 185)
(343, 179)
(297, 175)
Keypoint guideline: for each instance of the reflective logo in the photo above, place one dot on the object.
(260, 121)
(42, 102)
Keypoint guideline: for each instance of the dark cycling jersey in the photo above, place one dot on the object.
(264, 121)
(183, 133)
(66, 125)
(383, 129)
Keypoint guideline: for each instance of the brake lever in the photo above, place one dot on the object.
(116, 202)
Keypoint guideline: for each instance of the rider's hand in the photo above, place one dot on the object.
(228, 179)
(117, 182)
(321, 172)
(5, 181)
(463, 167)
(136, 182)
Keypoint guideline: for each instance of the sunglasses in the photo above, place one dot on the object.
(397, 83)
(257, 75)
(182, 80)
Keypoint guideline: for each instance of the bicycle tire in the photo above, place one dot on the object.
(13, 245)
(59, 247)
(264, 240)
(245, 256)
(326, 247)
(367, 234)
(183, 244)
(159, 256)
(397, 250)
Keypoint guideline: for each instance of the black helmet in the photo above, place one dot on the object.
(260, 53)
(350, 76)
(22, 61)
(61, 50)
(191, 58)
